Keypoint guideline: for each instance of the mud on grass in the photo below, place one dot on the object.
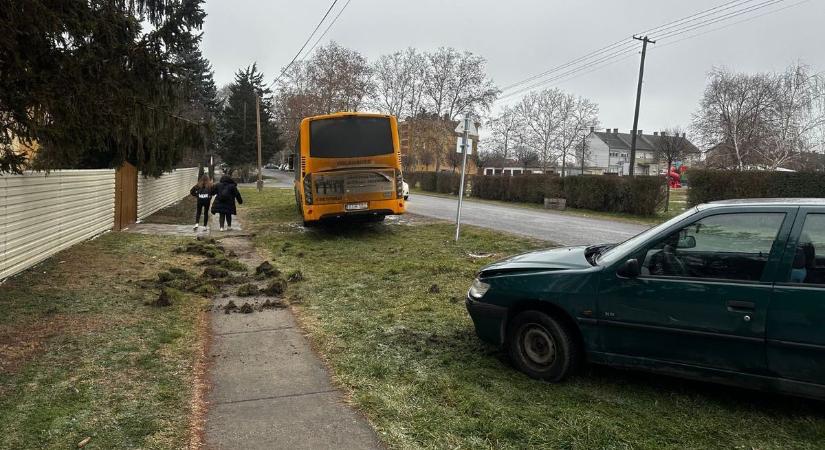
(94, 360)
(410, 358)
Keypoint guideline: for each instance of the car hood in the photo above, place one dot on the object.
(564, 258)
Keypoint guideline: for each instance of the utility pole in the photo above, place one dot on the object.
(584, 148)
(644, 40)
(258, 120)
(463, 169)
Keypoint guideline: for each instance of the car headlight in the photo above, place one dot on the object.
(478, 289)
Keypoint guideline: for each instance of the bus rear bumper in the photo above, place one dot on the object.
(338, 210)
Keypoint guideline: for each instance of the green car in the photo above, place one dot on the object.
(731, 292)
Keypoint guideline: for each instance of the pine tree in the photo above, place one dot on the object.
(96, 82)
(237, 127)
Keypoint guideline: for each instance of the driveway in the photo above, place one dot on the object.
(564, 229)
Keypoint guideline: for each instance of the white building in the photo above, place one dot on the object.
(609, 153)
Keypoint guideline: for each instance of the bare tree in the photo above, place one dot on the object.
(793, 118)
(398, 80)
(762, 120)
(456, 82)
(732, 113)
(670, 146)
(578, 115)
(504, 129)
(339, 77)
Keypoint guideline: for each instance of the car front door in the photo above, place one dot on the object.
(796, 317)
(703, 293)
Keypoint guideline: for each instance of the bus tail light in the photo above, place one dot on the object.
(308, 189)
(399, 184)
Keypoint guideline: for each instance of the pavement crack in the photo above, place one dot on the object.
(275, 397)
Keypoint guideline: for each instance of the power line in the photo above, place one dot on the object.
(732, 24)
(627, 41)
(334, 19)
(612, 51)
(305, 43)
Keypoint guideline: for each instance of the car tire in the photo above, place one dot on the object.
(542, 347)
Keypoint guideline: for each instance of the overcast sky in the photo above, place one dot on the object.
(520, 38)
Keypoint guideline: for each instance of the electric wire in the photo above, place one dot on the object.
(598, 59)
(305, 44)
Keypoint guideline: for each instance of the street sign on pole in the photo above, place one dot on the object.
(458, 144)
(466, 129)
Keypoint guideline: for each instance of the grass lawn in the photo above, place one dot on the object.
(384, 304)
(81, 355)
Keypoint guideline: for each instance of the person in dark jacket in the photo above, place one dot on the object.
(226, 193)
(203, 192)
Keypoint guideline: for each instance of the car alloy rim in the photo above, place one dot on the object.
(538, 345)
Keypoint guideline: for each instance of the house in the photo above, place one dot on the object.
(429, 144)
(510, 167)
(609, 152)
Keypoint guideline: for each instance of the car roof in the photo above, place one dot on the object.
(764, 202)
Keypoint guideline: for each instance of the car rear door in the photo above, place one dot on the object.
(796, 317)
(703, 295)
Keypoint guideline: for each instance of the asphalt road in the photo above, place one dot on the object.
(564, 229)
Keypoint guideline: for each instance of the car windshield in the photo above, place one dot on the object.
(613, 254)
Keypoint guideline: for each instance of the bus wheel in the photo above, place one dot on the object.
(376, 218)
(310, 223)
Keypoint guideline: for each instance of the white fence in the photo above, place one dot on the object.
(42, 214)
(157, 193)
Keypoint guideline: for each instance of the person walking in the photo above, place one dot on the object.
(226, 193)
(203, 192)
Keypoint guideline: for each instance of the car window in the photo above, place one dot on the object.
(809, 260)
(731, 246)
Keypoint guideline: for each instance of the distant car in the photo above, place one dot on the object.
(270, 166)
(732, 292)
(405, 190)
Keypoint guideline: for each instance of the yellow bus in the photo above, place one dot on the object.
(348, 165)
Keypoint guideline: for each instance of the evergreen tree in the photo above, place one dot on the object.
(237, 128)
(97, 82)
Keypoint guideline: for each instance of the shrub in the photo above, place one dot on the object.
(712, 185)
(633, 195)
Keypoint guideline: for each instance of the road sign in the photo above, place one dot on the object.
(458, 145)
(471, 128)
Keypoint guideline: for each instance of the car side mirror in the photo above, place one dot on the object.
(687, 242)
(630, 269)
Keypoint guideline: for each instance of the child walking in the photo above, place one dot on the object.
(203, 192)
(226, 193)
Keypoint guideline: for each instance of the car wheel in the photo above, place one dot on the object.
(541, 347)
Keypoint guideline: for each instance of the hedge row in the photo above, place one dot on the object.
(634, 195)
(711, 185)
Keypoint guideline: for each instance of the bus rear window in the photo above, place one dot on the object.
(350, 137)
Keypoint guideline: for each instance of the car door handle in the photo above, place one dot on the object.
(741, 306)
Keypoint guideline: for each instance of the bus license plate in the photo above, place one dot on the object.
(357, 206)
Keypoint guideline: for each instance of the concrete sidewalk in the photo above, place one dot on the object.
(269, 390)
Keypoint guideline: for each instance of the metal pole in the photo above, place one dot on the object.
(644, 40)
(463, 170)
(258, 120)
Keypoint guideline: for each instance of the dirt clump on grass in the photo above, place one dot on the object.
(266, 270)
(275, 288)
(246, 308)
(229, 307)
(295, 276)
(247, 290)
(434, 289)
(166, 297)
(273, 304)
(215, 272)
